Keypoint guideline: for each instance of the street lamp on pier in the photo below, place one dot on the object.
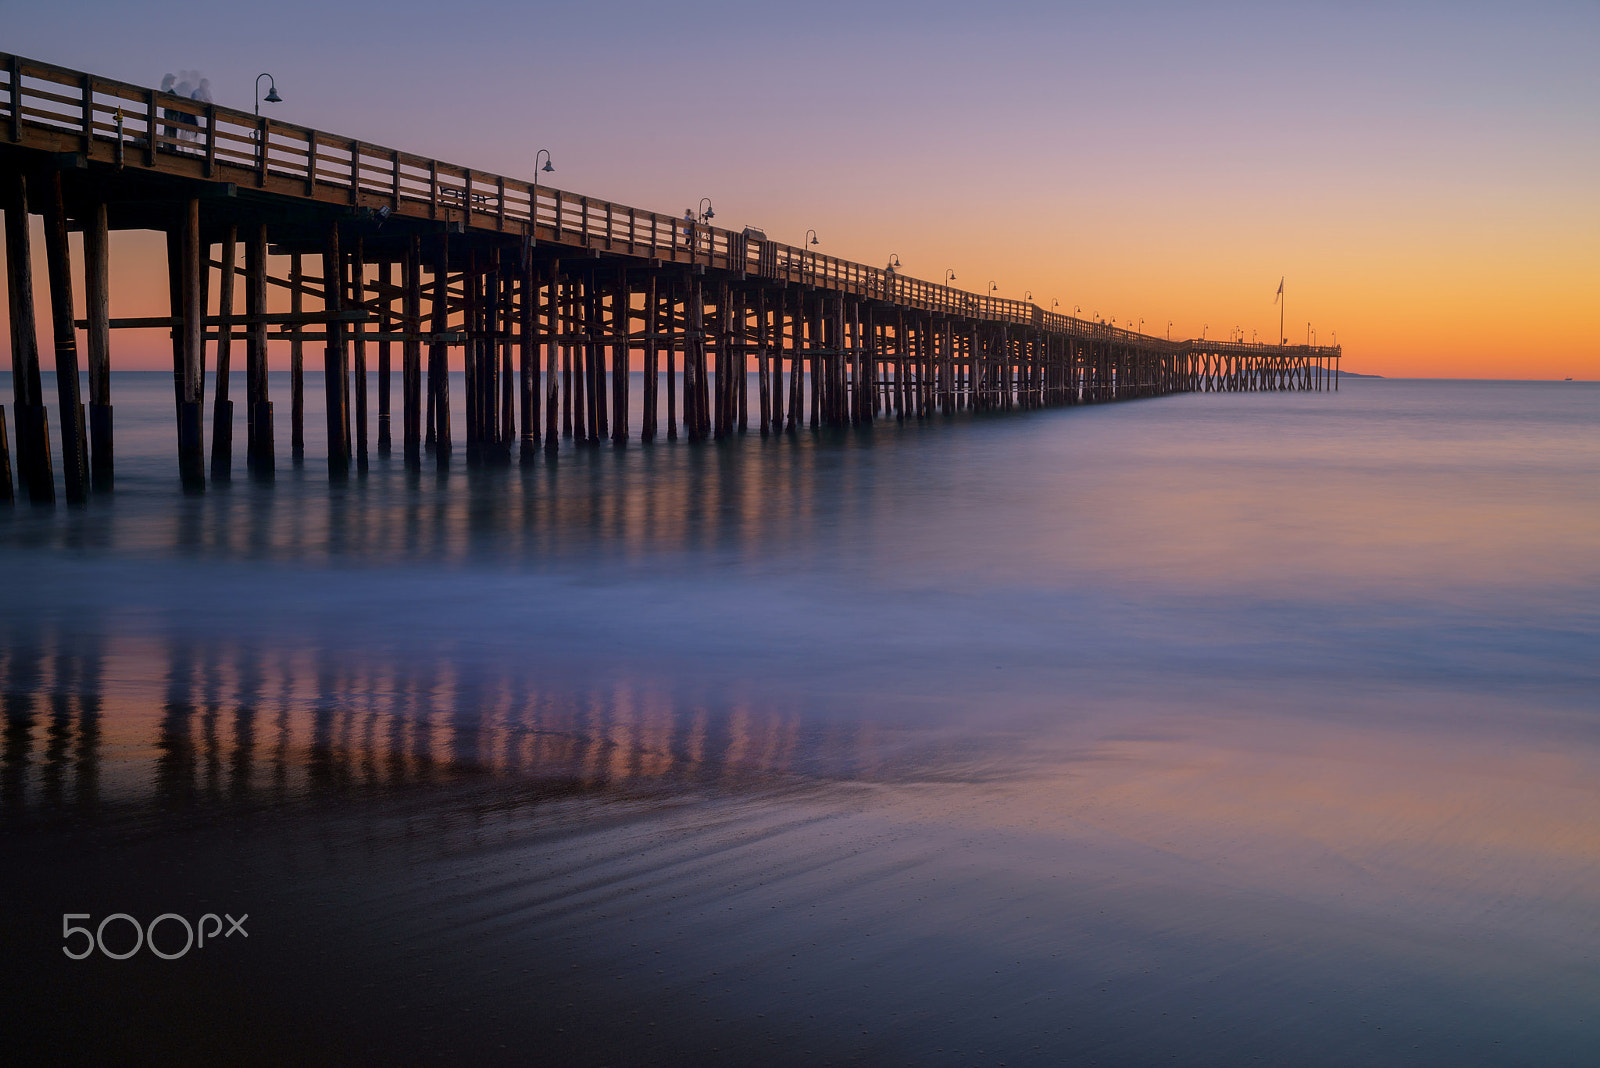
(272, 92)
(949, 276)
(812, 234)
(545, 152)
(706, 214)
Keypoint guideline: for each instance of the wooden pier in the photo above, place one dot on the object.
(548, 297)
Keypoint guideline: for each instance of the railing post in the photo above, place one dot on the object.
(88, 114)
(16, 103)
(211, 139)
(151, 130)
(262, 133)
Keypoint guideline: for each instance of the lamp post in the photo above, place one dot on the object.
(1141, 326)
(812, 234)
(1203, 329)
(272, 91)
(706, 214)
(545, 152)
(894, 260)
(1027, 295)
(1169, 329)
(949, 276)
(1077, 310)
(992, 287)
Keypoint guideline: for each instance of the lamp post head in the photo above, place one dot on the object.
(547, 168)
(272, 95)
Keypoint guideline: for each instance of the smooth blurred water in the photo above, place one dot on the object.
(1277, 707)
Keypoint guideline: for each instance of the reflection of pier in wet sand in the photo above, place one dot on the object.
(231, 726)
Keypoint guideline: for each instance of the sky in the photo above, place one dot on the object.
(1423, 176)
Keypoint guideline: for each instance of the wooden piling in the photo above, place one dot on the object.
(411, 350)
(222, 406)
(335, 360)
(259, 447)
(97, 297)
(74, 465)
(507, 314)
(7, 493)
(385, 301)
(571, 363)
(188, 372)
(763, 376)
(472, 356)
(356, 301)
(528, 356)
(552, 385)
(652, 351)
(621, 316)
(297, 361)
(34, 466)
(439, 353)
(675, 342)
(797, 369)
(742, 359)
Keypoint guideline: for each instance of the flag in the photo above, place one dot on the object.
(1280, 291)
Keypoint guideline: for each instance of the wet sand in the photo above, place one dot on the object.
(1148, 757)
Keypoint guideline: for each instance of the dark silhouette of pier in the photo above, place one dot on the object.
(549, 296)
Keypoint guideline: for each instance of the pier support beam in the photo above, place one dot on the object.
(297, 362)
(259, 448)
(385, 357)
(188, 344)
(528, 356)
(74, 466)
(411, 383)
(222, 409)
(335, 360)
(552, 341)
(97, 295)
(34, 468)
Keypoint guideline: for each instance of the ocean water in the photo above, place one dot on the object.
(1209, 729)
